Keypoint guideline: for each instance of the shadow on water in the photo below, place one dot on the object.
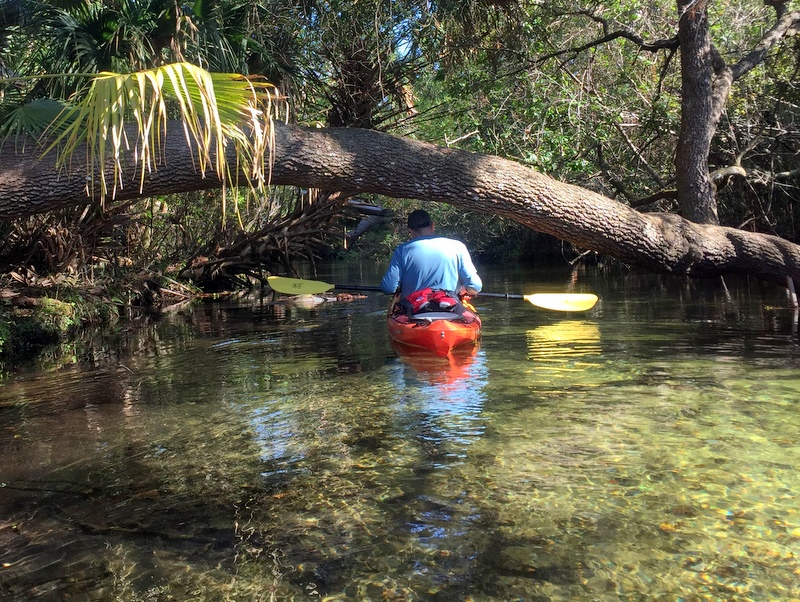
(285, 451)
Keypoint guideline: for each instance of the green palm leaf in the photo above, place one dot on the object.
(31, 118)
(217, 109)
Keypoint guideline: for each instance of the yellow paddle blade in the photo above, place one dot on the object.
(297, 286)
(563, 301)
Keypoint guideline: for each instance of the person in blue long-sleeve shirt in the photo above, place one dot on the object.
(430, 261)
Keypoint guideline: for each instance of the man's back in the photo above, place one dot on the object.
(431, 261)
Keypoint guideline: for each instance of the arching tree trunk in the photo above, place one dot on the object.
(362, 161)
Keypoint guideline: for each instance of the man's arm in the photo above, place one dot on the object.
(391, 280)
(469, 275)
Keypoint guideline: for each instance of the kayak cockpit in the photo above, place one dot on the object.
(435, 315)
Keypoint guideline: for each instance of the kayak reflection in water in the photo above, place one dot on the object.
(449, 372)
(443, 394)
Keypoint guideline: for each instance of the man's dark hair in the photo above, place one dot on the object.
(418, 219)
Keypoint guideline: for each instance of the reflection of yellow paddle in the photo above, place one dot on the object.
(554, 301)
(563, 340)
(564, 354)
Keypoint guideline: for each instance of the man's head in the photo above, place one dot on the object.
(419, 220)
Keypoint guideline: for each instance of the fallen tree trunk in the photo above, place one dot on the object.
(362, 161)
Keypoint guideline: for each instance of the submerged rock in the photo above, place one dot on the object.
(306, 301)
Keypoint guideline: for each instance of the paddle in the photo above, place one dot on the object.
(554, 301)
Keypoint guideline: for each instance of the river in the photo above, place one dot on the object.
(254, 450)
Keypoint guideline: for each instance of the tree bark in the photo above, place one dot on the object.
(696, 192)
(363, 161)
(706, 82)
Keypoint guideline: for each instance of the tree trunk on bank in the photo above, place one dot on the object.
(363, 161)
(696, 192)
(706, 83)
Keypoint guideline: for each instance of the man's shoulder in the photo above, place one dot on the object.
(434, 240)
(453, 242)
(438, 239)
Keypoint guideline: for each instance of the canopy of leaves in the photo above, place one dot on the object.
(587, 93)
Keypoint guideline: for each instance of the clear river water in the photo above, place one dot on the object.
(269, 449)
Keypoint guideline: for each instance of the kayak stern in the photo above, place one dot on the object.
(439, 332)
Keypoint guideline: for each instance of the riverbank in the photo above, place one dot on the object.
(38, 312)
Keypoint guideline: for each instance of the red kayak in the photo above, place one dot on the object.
(438, 332)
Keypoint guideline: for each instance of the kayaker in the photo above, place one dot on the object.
(430, 261)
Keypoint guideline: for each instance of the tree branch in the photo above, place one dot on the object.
(609, 36)
(787, 25)
(661, 195)
(669, 44)
(615, 182)
(653, 174)
(363, 161)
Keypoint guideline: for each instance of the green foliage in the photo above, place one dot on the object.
(5, 333)
(26, 336)
(24, 332)
(50, 318)
(59, 314)
(554, 115)
(527, 81)
(606, 115)
(32, 118)
(491, 239)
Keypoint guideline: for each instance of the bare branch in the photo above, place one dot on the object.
(615, 182)
(669, 44)
(460, 138)
(726, 172)
(609, 36)
(661, 195)
(785, 175)
(664, 72)
(787, 25)
(766, 177)
(637, 152)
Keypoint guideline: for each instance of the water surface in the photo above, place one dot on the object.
(645, 450)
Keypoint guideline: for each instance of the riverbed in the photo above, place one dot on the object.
(271, 449)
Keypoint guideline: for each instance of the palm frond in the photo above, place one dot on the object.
(31, 118)
(217, 109)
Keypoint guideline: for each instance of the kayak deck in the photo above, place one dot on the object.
(435, 331)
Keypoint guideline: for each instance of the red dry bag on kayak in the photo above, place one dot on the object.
(427, 299)
(416, 302)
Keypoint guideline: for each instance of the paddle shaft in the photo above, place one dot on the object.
(554, 301)
(356, 287)
(501, 295)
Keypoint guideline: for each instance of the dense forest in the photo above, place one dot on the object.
(663, 135)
